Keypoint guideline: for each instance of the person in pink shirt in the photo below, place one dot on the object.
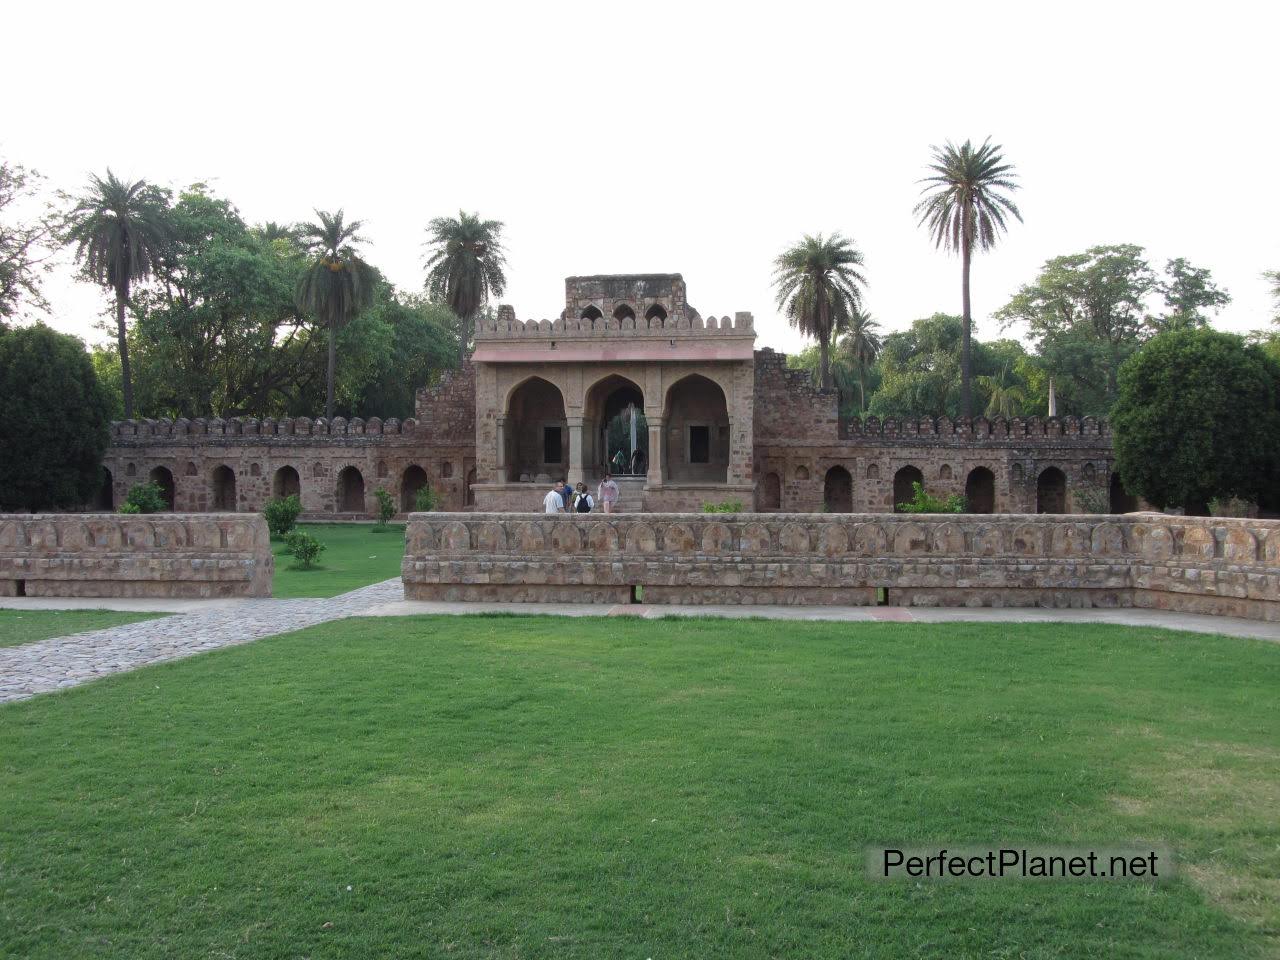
(608, 493)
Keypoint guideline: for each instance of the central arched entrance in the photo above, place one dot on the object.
(837, 490)
(615, 430)
(697, 422)
(162, 477)
(537, 434)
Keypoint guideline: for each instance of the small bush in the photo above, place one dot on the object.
(282, 514)
(304, 547)
(922, 502)
(426, 501)
(145, 498)
(724, 506)
(386, 508)
(1232, 507)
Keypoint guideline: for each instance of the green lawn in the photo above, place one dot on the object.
(536, 787)
(354, 556)
(23, 626)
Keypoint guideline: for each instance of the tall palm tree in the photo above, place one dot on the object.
(859, 348)
(820, 290)
(965, 204)
(118, 229)
(337, 285)
(465, 267)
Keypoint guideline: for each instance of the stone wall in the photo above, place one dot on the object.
(800, 439)
(115, 555)
(1200, 565)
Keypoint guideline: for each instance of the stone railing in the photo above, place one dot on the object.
(742, 324)
(120, 555)
(1202, 565)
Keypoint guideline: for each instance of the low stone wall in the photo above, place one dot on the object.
(1200, 565)
(116, 555)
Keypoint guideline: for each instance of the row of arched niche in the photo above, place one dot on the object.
(979, 489)
(222, 497)
(624, 311)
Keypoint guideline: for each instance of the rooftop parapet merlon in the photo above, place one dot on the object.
(506, 327)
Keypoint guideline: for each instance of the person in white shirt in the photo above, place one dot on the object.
(553, 502)
(608, 493)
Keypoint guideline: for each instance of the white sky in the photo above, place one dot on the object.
(699, 138)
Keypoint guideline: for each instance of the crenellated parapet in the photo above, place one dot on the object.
(582, 328)
(217, 429)
(1016, 430)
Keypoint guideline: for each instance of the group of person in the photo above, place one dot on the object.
(563, 498)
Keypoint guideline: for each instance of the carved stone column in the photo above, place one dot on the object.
(501, 462)
(657, 449)
(577, 451)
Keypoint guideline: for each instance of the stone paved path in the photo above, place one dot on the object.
(57, 662)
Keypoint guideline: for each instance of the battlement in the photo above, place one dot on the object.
(200, 427)
(506, 327)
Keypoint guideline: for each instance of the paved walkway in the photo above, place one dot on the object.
(58, 662)
(200, 625)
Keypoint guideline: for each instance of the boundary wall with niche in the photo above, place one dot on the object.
(121, 555)
(1191, 564)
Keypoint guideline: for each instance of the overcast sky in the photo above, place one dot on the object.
(682, 137)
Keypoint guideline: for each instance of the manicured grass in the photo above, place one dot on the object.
(355, 556)
(23, 626)
(536, 787)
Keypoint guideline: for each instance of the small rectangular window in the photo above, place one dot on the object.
(699, 445)
(551, 445)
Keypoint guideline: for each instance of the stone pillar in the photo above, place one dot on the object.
(577, 451)
(501, 463)
(657, 447)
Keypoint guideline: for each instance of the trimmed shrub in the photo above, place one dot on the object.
(386, 507)
(922, 502)
(304, 548)
(724, 506)
(425, 501)
(145, 498)
(282, 514)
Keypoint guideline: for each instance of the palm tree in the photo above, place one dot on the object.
(859, 347)
(337, 285)
(118, 229)
(963, 205)
(819, 290)
(465, 267)
(1005, 401)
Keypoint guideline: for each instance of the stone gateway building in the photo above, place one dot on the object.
(630, 378)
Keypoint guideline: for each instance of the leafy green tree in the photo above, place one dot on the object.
(281, 514)
(337, 285)
(1087, 314)
(1274, 277)
(1198, 418)
(966, 204)
(26, 239)
(819, 289)
(465, 267)
(145, 498)
(1005, 399)
(1188, 292)
(118, 229)
(56, 423)
(423, 343)
(219, 333)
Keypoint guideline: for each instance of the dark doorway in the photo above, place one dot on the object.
(1051, 491)
(980, 491)
(106, 496)
(350, 491)
(414, 479)
(771, 493)
(162, 477)
(1120, 500)
(837, 491)
(286, 483)
(903, 489)
(224, 489)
